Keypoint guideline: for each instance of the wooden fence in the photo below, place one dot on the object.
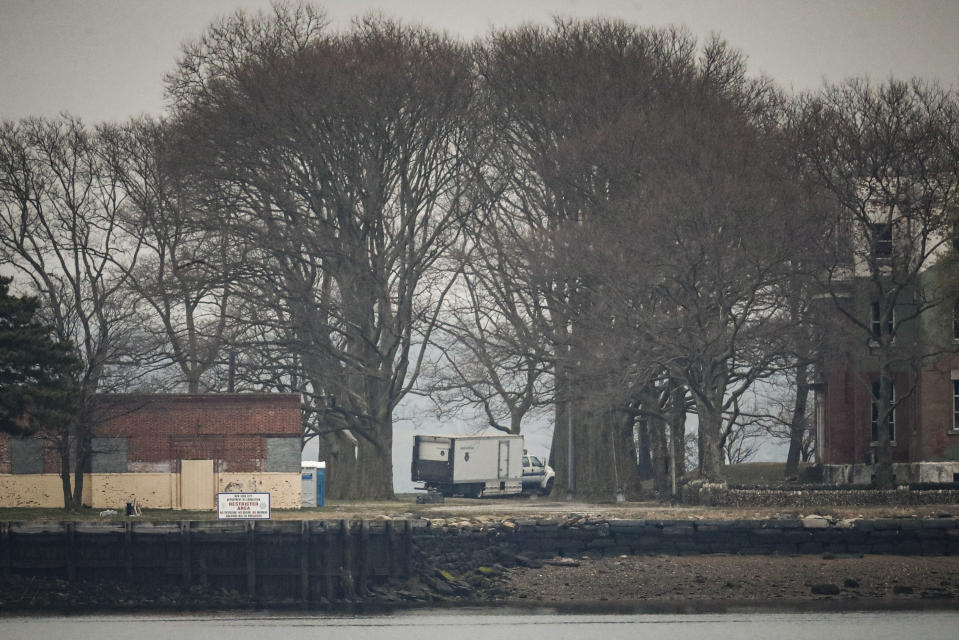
(274, 560)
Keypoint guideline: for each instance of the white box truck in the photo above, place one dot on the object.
(475, 466)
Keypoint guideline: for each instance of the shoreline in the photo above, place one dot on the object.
(713, 583)
(721, 578)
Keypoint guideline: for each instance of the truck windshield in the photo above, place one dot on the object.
(536, 461)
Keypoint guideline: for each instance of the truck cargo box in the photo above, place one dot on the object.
(469, 465)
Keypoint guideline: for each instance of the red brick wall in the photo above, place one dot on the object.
(839, 416)
(228, 428)
(848, 420)
(4, 452)
(160, 430)
(936, 401)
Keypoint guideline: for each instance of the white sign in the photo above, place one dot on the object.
(243, 506)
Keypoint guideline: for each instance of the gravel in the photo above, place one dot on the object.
(740, 578)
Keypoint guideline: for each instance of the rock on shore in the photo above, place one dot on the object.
(730, 577)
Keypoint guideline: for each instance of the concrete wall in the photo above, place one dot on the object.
(153, 490)
(30, 490)
(284, 488)
(113, 490)
(914, 472)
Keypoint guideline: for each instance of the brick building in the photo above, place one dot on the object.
(170, 451)
(924, 429)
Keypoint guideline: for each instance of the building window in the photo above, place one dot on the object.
(955, 405)
(881, 235)
(876, 323)
(26, 455)
(955, 321)
(110, 455)
(875, 413)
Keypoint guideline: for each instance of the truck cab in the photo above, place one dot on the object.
(537, 476)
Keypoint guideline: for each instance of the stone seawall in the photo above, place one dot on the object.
(465, 543)
(326, 561)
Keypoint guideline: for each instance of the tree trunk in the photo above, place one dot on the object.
(645, 459)
(797, 426)
(516, 422)
(710, 438)
(659, 454)
(559, 449)
(605, 464)
(676, 419)
(66, 468)
(596, 456)
(884, 477)
(84, 454)
(627, 473)
(360, 471)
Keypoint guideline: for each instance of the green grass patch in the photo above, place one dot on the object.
(756, 473)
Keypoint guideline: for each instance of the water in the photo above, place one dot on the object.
(487, 624)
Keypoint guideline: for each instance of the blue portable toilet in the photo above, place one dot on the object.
(313, 481)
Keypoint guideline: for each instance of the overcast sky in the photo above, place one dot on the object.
(105, 59)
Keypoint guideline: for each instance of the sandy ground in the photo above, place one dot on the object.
(759, 579)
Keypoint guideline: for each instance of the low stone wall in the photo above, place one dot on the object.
(722, 496)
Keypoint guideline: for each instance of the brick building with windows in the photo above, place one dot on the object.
(924, 425)
(169, 451)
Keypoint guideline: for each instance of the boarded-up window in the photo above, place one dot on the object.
(26, 455)
(109, 455)
(282, 454)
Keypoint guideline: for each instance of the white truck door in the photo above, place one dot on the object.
(503, 459)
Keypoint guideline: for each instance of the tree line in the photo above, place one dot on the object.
(613, 225)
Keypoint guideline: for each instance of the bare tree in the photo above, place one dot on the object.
(568, 102)
(183, 270)
(336, 161)
(774, 410)
(60, 228)
(663, 404)
(491, 336)
(885, 155)
(636, 173)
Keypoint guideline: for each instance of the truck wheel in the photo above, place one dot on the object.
(548, 489)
